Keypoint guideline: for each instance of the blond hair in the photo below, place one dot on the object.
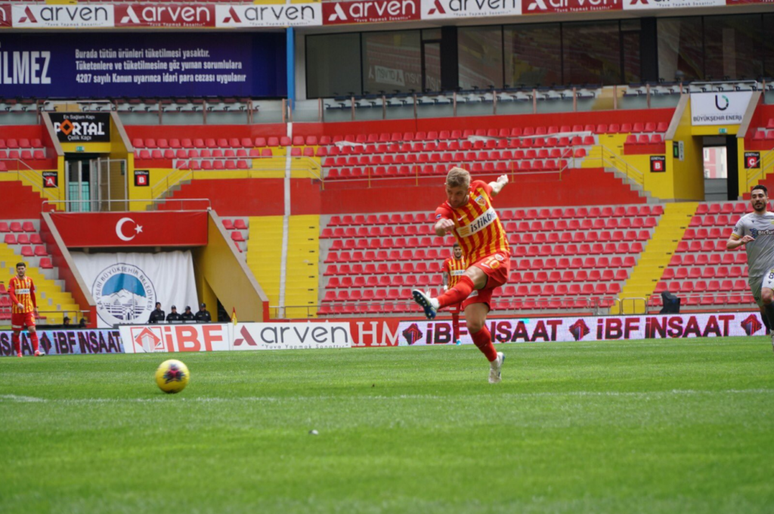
(458, 177)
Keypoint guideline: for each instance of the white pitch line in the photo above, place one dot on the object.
(20, 399)
(274, 399)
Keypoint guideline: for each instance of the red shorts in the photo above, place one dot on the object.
(19, 321)
(496, 267)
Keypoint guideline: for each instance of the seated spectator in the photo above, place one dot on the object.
(174, 316)
(203, 316)
(157, 315)
(188, 315)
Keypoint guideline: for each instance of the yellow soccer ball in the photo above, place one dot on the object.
(172, 376)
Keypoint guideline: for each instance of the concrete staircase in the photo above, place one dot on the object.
(658, 252)
(53, 301)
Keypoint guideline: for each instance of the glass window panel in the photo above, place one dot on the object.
(480, 54)
(533, 55)
(630, 42)
(768, 45)
(733, 47)
(591, 53)
(392, 61)
(333, 65)
(680, 52)
(433, 66)
(431, 34)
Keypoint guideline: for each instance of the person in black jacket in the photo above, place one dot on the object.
(174, 316)
(157, 315)
(187, 315)
(203, 315)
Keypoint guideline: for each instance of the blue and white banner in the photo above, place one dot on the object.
(65, 342)
(126, 286)
(151, 65)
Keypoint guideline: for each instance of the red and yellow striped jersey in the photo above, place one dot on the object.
(22, 291)
(476, 225)
(454, 268)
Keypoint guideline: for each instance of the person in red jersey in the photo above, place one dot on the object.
(469, 215)
(452, 269)
(24, 308)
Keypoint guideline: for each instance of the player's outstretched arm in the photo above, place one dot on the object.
(735, 241)
(498, 184)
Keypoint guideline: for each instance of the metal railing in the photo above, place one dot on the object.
(168, 181)
(56, 318)
(185, 204)
(614, 160)
(30, 177)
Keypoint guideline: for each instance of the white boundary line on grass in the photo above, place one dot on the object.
(274, 399)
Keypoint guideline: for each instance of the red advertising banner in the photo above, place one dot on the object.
(563, 6)
(370, 11)
(373, 332)
(165, 15)
(5, 15)
(131, 229)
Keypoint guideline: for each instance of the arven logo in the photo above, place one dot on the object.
(54, 16)
(232, 16)
(467, 8)
(273, 15)
(370, 11)
(28, 16)
(165, 15)
(437, 8)
(541, 6)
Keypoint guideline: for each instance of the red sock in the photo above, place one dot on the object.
(483, 340)
(456, 325)
(457, 293)
(34, 339)
(16, 342)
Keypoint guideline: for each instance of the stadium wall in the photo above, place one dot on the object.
(687, 176)
(222, 275)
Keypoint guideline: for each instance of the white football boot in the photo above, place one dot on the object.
(495, 367)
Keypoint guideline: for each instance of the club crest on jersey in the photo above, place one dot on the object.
(480, 200)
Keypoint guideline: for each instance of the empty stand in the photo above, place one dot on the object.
(562, 258)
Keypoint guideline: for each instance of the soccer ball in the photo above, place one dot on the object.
(172, 376)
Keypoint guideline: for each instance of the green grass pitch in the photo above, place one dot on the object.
(684, 426)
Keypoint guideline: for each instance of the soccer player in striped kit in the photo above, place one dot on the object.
(452, 269)
(469, 215)
(24, 308)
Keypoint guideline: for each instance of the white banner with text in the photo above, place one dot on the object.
(607, 328)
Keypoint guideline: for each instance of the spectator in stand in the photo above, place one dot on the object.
(174, 316)
(66, 322)
(187, 315)
(203, 316)
(82, 324)
(157, 315)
